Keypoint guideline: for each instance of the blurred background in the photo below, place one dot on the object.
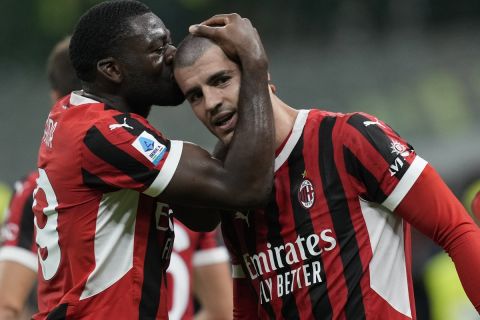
(413, 63)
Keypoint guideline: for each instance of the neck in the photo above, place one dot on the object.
(284, 118)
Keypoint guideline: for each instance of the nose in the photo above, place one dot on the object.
(170, 54)
(213, 99)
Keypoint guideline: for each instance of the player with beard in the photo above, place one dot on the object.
(333, 242)
(199, 262)
(107, 177)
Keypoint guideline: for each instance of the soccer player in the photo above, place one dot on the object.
(198, 268)
(18, 258)
(333, 242)
(107, 177)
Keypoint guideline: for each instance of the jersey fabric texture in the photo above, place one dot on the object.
(328, 245)
(17, 235)
(190, 250)
(104, 241)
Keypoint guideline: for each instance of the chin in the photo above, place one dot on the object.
(227, 138)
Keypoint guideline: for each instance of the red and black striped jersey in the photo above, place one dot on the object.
(190, 250)
(328, 245)
(17, 235)
(104, 241)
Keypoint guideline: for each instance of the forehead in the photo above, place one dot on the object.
(212, 61)
(147, 27)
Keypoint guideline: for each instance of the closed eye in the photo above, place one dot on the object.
(219, 81)
(194, 96)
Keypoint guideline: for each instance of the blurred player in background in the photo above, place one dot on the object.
(334, 240)
(5, 195)
(18, 254)
(199, 267)
(107, 177)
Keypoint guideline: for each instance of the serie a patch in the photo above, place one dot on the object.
(149, 147)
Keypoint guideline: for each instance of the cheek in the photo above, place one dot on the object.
(235, 91)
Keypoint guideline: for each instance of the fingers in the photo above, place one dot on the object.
(218, 20)
(204, 31)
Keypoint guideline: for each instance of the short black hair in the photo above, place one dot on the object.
(60, 72)
(97, 31)
(190, 49)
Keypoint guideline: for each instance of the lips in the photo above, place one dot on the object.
(225, 121)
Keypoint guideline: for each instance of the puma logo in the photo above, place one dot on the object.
(242, 216)
(367, 123)
(120, 125)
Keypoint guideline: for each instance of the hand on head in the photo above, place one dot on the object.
(236, 36)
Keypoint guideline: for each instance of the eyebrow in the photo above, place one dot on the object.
(214, 77)
(211, 80)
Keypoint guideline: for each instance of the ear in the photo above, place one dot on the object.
(271, 86)
(110, 69)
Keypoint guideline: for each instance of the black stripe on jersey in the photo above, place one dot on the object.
(357, 170)
(342, 223)
(274, 236)
(382, 143)
(102, 148)
(26, 225)
(229, 233)
(321, 307)
(96, 182)
(138, 128)
(152, 274)
(59, 313)
(251, 242)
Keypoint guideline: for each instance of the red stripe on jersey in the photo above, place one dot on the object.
(322, 221)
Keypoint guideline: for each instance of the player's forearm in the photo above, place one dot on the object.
(466, 257)
(250, 159)
(433, 209)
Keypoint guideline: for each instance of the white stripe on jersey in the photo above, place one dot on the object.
(388, 269)
(210, 256)
(114, 236)
(19, 255)
(167, 171)
(297, 132)
(405, 183)
(77, 99)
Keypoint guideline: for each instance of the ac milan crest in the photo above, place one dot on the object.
(306, 194)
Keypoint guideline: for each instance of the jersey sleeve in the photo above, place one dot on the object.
(209, 250)
(17, 232)
(383, 165)
(388, 171)
(432, 208)
(126, 152)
